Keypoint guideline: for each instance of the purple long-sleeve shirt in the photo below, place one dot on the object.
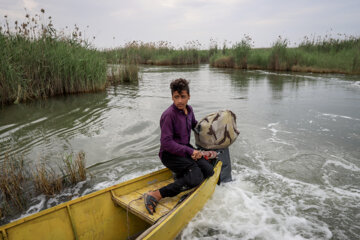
(176, 131)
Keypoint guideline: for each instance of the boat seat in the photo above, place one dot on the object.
(134, 202)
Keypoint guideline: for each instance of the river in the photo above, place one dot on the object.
(295, 165)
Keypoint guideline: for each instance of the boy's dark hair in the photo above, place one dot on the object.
(179, 85)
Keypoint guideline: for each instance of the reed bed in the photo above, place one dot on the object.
(157, 53)
(46, 180)
(37, 61)
(323, 55)
(123, 73)
(74, 170)
(12, 179)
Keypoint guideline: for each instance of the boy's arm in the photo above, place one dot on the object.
(167, 140)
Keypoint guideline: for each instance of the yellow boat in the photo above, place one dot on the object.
(117, 212)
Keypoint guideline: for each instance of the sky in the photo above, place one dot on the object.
(115, 22)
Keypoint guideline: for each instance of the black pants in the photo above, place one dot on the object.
(189, 173)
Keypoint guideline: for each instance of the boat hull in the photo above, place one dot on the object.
(96, 216)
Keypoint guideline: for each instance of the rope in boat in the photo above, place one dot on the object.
(127, 216)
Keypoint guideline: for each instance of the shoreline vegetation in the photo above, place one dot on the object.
(37, 61)
(316, 55)
(320, 55)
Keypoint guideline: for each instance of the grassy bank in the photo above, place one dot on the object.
(160, 53)
(323, 55)
(36, 61)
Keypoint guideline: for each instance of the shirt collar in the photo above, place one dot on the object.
(181, 111)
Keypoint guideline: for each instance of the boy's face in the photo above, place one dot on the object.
(180, 99)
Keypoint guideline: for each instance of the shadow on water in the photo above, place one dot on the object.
(289, 81)
(125, 89)
(241, 80)
(276, 84)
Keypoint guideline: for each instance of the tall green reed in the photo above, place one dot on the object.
(37, 61)
(158, 53)
(278, 59)
(241, 51)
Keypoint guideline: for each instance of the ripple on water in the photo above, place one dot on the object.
(303, 167)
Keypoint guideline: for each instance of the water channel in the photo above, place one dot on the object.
(296, 163)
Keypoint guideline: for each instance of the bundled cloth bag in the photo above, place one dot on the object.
(216, 130)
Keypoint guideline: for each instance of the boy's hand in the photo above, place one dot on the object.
(196, 155)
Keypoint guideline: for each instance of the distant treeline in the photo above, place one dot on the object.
(324, 55)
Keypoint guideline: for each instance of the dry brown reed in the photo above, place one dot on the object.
(12, 178)
(46, 180)
(74, 170)
(16, 181)
(50, 182)
(80, 165)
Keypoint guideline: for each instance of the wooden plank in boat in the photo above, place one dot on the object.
(134, 202)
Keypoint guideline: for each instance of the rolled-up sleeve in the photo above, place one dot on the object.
(167, 139)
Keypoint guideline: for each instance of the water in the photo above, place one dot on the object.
(296, 164)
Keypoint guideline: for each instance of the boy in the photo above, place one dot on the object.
(176, 152)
